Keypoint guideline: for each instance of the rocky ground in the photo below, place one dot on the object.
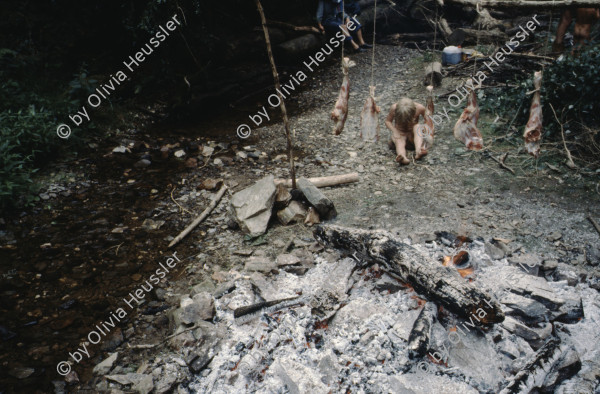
(541, 210)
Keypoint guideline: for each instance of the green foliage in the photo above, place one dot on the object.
(27, 137)
(571, 85)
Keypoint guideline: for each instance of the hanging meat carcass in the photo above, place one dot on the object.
(533, 130)
(427, 130)
(369, 121)
(466, 129)
(340, 112)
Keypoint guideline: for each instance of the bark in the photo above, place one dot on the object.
(324, 181)
(527, 4)
(433, 74)
(429, 278)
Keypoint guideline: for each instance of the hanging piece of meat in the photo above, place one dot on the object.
(466, 129)
(533, 130)
(340, 112)
(427, 130)
(369, 121)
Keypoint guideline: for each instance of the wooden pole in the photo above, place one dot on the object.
(200, 218)
(325, 181)
(281, 98)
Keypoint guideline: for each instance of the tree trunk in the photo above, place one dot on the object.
(439, 284)
(527, 4)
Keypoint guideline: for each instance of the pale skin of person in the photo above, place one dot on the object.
(401, 133)
(345, 26)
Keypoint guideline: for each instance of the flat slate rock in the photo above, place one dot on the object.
(252, 206)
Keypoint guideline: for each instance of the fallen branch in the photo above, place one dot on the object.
(531, 56)
(324, 181)
(200, 218)
(594, 223)
(570, 162)
(310, 29)
(501, 162)
(438, 283)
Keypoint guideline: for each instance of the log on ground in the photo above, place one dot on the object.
(440, 284)
(433, 74)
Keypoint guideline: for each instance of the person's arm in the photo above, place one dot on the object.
(389, 121)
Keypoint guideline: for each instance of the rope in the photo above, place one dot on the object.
(374, 33)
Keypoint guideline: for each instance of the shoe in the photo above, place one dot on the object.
(366, 46)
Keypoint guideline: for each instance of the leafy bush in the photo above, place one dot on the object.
(570, 85)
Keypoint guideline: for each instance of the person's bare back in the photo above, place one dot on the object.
(402, 121)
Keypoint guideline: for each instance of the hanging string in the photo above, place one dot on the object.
(374, 33)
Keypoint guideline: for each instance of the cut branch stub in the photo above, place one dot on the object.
(440, 284)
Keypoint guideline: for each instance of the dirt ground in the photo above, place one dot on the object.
(539, 209)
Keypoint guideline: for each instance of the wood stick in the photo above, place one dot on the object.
(570, 162)
(200, 218)
(324, 181)
(594, 223)
(501, 162)
(532, 56)
(527, 4)
(441, 284)
(286, 122)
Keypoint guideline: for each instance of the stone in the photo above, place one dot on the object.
(211, 184)
(293, 213)
(260, 264)
(21, 373)
(528, 262)
(105, 366)
(312, 217)
(192, 310)
(317, 199)
(150, 224)
(142, 163)
(252, 206)
(549, 265)
(554, 236)
(207, 151)
(592, 255)
(166, 379)
(113, 340)
(282, 197)
(534, 336)
(140, 383)
(527, 309)
(241, 154)
(120, 149)
(496, 250)
(287, 259)
(180, 153)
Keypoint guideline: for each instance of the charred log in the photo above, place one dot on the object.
(420, 335)
(436, 282)
(552, 364)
